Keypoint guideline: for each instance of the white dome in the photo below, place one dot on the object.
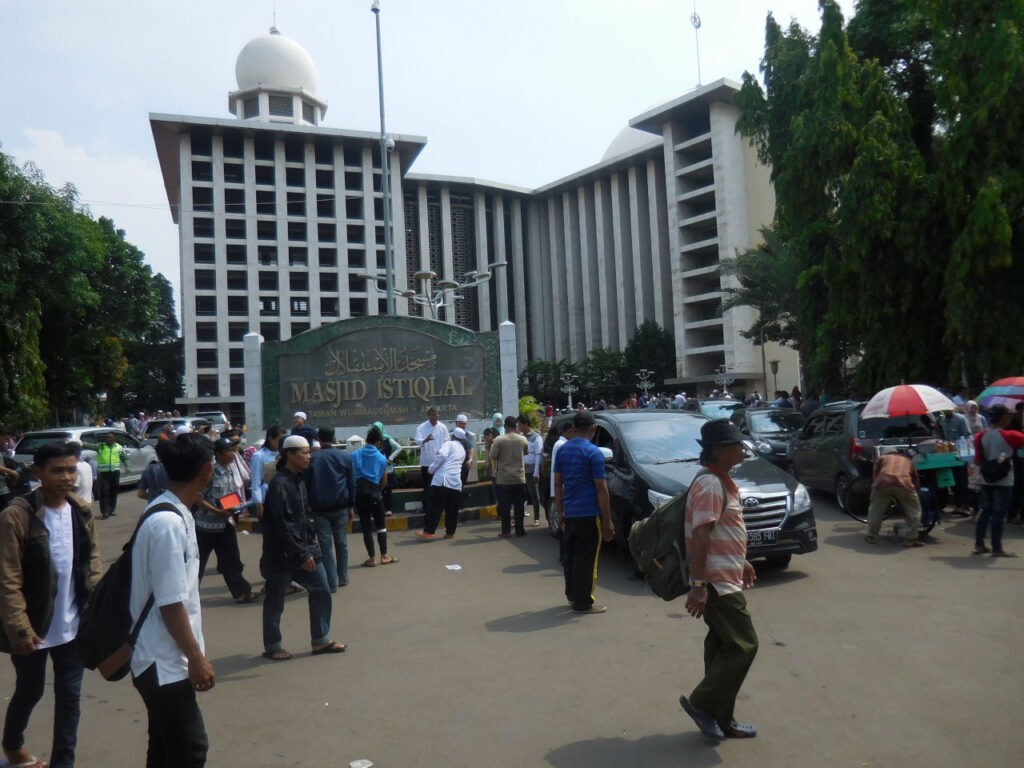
(627, 140)
(275, 61)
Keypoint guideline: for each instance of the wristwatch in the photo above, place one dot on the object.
(699, 583)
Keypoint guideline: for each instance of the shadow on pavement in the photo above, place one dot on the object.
(231, 668)
(533, 621)
(976, 562)
(688, 750)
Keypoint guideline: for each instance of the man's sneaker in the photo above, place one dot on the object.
(590, 609)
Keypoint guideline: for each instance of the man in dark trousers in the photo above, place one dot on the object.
(49, 563)
(109, 459)
(581, 496)
(332, 492)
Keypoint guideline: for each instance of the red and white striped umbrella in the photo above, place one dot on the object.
(906, 400)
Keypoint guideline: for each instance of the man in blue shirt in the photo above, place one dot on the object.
(581, 494)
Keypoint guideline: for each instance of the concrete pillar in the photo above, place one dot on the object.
(509, 369)
(253, 359)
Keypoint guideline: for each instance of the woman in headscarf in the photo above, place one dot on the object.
(390, 448)
(977, 423)
(498, 424)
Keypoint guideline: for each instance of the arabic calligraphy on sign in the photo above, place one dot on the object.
(343, 362)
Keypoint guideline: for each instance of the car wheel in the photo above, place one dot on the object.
(779, 561)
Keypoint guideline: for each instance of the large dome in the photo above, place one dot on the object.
(627, 140)
(275, 61)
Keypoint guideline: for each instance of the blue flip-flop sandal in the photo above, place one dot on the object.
(705, 722)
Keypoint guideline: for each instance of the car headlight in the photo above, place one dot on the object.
(657, 499)
(801, 499)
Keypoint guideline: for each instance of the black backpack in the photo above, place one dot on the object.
(106, 637)
(994, 470)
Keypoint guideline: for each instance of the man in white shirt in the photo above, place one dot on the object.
(169, 664)
(430, 436)
(86, 474)
(49, 563)
(446, 495)
(532, 461)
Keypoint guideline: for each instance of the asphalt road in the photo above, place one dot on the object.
(870, 656)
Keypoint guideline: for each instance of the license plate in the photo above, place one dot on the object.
(770, 536)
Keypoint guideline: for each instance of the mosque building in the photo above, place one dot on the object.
(281, 229)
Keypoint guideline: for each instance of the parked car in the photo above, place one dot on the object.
(137, 455)
(157, 426)
(217, 418)
(835, 450)
(655, 455)
(720, 409)
(771, 430)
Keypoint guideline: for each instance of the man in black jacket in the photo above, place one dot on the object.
(291, 553)
(49, 563)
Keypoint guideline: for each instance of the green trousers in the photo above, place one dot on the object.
(729, 650)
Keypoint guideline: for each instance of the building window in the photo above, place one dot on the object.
(234, 173)
(268, 305)
(270, 331)
(238, 280)
(329, 282)
(296, 203)
(202, 199)
(206, 357)
(294, 151)
(251, 107)
(328, 257)
(357, 284)
(323, 153)
(266, 202)
(203, 253)
(300, 306)
(206, 332)
(237, 331)
(263, 147)
(206, 280)
(357, 307)
(202, 227)
(354, 181)
(202, 170)
(266, 230)
(325, 206)
(295, 177)
(298, 328)
(328, 307)
(353, 155)
(266, 255)
(355, 233)
(234, 201)
(236, 357)
(325, 178)
(268, 281)
(207, 386)
(237, 384)
(356, 259)
(378, 208)
(265, 174)
(206, 305)
(236, 254)
(202, 143)
(238, 305)
(298, 256)
(298, 281)
(233, 144)
(234, 229)
(297, 231)
(280, 106)
(326, 232)
(307, 112)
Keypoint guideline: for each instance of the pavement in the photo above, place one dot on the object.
(870, 656)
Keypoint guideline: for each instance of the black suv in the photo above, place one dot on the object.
(836, 448)
(655, 456)
(771, 429)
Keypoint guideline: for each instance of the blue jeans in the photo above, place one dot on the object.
(319, 598)
(995, 503)
(30, 673)
(332, 531)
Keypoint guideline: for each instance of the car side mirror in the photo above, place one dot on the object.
(607, 453)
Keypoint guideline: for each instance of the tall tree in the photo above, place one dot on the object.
(653, 348)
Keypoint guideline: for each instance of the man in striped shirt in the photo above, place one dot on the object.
(716, 541)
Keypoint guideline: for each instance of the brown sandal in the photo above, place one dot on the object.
(370, 563)
(388, 560)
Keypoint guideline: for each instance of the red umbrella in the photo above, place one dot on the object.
(906, 400)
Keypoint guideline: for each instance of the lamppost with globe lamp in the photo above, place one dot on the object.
(645, 382)
(433, 298)
(569, 385)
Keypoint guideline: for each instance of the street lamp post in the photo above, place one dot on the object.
(569, 385)
(645, 383)
(722, 377)
(433, 298)
(386, 145)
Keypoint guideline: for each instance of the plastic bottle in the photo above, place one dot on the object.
(961, 447)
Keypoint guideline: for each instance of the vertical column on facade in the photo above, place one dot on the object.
(447, 246)
(284, 304)
(186, 258)
(524, 316)
(640, 235)
(252, 274)
(220, 239)
(661, 275)
(423, 219)
(482, 258)
(671, 136)
(398, 254)
(624, 260)
(340, 219)
(607, 280)
(370, 228)
(312, 238)
(500, 274)
(571, 246)
(588, 270)
(537, 272)
(556, 258)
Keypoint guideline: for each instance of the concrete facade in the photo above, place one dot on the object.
(281, 219)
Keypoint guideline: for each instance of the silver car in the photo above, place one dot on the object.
(136, 455)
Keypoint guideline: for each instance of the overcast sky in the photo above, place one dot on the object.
(521, 92)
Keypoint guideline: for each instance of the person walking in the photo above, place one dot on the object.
(531, 463)
(391, 450)
(49, 564)
(446, 494)
(507, 452)
(154, 480)
(997, 443)
(109, 458)
(169, 664)
(430, 436)
(895, 478)
(716, 543)
(370, 470)
(332, 491)
(291, 553)
(215, 526)
(265, 457)
(581, 496)
(469, 446)
(86, 475)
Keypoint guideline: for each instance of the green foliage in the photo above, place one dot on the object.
(529, 406)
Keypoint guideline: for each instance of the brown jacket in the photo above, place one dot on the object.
(28, 580)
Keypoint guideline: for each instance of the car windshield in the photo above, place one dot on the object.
(719, 409)
(663, 440)
(155, 428)
(33, 442)
(899, 426)
(774, 421)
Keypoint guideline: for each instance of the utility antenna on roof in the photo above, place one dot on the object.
(695, 20)
(275, 12)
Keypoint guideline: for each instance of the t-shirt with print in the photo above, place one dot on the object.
(727, 539)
